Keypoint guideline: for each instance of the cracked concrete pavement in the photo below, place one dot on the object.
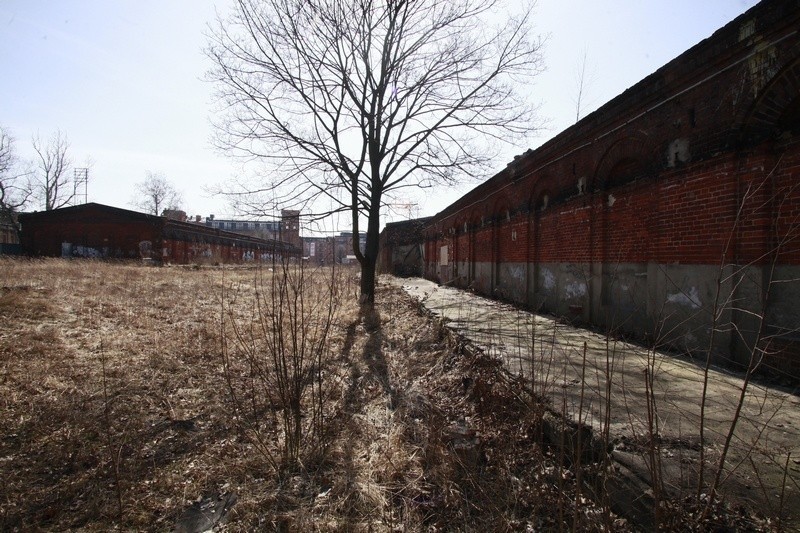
(613, 385)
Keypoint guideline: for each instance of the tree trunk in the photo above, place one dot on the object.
(369, 260)
(367, 282)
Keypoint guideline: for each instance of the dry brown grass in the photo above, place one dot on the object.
(160, 419)
(116, 413)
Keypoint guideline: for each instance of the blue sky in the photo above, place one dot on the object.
(123, 80)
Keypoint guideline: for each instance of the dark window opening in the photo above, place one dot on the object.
(790, 118)
(626, 171)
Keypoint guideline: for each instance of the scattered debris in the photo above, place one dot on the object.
(206, 513)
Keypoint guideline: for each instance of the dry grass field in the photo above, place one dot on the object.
(116, 410)
(132, 396)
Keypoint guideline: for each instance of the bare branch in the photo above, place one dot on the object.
(52, 165)
(346, 101)
(15, 184)
(155, 194)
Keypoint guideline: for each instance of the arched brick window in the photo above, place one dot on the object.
(621, 164)
(624, 171)
(789, 121)
(777, 109)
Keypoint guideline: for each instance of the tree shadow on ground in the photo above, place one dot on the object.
(372, 367)
(355, 372)
(374, 357)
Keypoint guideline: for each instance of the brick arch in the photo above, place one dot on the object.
(774, 107)
(622, 161)
(458, 224)
(459, 249)
(500, 210)
(499, 213)
(476, 216)
(541, 245)
(473, 217)
(540, 196)
(628, 159)
(541, 186)
(540, 199)
(478, 252)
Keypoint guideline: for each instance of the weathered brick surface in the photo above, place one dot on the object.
(678, 153)
(698, 164)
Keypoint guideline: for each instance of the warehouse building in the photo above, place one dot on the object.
(96, 230)
(670, 214)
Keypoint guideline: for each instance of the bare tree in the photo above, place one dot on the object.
(52, 178)
(583, 81)
(15, 186)
(348, 101)
(155, 194)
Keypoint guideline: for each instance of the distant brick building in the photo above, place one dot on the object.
(337, 249)
(671, 212)
(344, 246)
(9, 239)
(287, 229)
(401, 245)
(96, 230)
(319, 250)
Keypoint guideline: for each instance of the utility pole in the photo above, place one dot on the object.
(80, 183)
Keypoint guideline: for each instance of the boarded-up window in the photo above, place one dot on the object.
(443, 256)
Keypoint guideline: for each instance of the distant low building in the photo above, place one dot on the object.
(319, 250)
(336, 249)
(102, 231)
(401, 248)
(287, 229)
(344, 245)
(9, 238)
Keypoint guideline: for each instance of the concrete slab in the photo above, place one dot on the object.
(608, 383)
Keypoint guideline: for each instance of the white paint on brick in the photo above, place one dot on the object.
(548, 280)
(576, 289)
(690, 298)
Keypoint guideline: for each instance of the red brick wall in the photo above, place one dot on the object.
(694, 135)
(744, 206)
(697, 164)
(120, 238)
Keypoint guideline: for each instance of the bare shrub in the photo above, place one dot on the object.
(274, 358)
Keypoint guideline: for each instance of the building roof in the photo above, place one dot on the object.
(90, 206)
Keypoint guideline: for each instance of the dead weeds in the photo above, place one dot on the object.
(116, 414)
